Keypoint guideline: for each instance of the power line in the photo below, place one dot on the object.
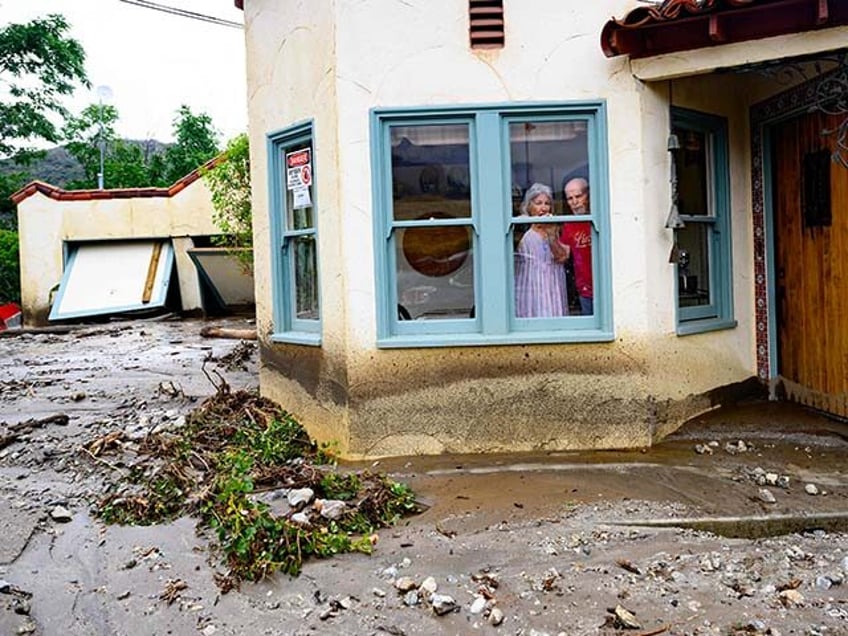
(184, 13)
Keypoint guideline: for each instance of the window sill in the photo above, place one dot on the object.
(298, 337)
(479, 340)
(702, 326)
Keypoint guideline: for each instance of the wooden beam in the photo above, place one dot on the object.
(151, 272)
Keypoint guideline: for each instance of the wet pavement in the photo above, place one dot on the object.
(551, 527)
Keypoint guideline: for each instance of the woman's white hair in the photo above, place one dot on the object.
(532, 192)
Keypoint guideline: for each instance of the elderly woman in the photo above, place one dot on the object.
(539, 257)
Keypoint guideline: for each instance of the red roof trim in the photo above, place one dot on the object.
(684, 25)
(59, 194)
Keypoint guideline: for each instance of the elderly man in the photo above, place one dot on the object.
(577, 237)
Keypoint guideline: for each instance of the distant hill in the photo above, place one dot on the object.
(58, 167)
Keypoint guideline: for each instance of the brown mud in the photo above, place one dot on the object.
(552, 528)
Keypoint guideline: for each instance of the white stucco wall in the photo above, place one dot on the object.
(46, 224)
(333, 61)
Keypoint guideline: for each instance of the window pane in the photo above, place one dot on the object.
(298, 180)
(430, 172)
(555, 155)
(435, 273)
(692, 172)
(540, 286)
(551, 153)
(693, 264)
(305, 277)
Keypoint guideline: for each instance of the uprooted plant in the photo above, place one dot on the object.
(235, 450)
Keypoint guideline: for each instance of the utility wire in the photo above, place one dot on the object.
(184, 13)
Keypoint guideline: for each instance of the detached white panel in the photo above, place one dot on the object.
(107, 278)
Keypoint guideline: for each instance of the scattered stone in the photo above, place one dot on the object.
(811, 489)
(405, 583)
(791, 598)
(61, 514)
(123, 595)
(624, 618)
(300, 497)
(330, 508)
(783, 482)
(22, 606)
(737, 447)
(823, 582)
(428, 586)
(378, 592)
(301, 519)
(442, 604)
(766, 496)
(703, 449)
(478, 604)
(496, 617)
(27, 627)
(411, 598)
(209, 630)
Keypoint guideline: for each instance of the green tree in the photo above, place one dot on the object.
(195, 143)
(10, 271)
(229, 181)
(39, 65)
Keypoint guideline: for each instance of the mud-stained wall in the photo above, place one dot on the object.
(46, 224)
(617, 395)
(332, 63)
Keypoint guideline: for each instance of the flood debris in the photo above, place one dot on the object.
(11, 433)
(233, 449)
(172, 590)
(228, 332)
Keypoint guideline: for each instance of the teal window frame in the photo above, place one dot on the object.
(287, 326)
(718, 313)
(494, 321)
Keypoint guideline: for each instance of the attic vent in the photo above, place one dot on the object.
(487, 24)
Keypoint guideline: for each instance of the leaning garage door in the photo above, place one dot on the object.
(114, 277)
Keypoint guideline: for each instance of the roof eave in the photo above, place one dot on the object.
(650, 35)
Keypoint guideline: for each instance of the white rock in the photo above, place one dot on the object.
(771, 479)
(429, 586)
(766, 496)
(300, 518)
(811, 489)
(300, 496)
(331, 508)
(496, 617)
(60, 514)
(442, 604)
(478, 604)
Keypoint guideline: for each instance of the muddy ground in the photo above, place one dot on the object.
(551, 543)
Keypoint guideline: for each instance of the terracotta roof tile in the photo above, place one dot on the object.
(59, 194)
(684, 25)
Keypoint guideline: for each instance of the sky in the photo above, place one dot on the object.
(153, 62)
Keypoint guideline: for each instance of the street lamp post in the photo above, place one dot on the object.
(103, 93)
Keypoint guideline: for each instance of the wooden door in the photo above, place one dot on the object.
(811, 262)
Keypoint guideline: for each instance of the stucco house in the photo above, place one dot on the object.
(392, 144)
(87, 253)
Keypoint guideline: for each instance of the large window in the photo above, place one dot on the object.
(491, 225)
(294, 255)
(704, 283)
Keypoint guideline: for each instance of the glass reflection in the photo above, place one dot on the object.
(435, 273)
